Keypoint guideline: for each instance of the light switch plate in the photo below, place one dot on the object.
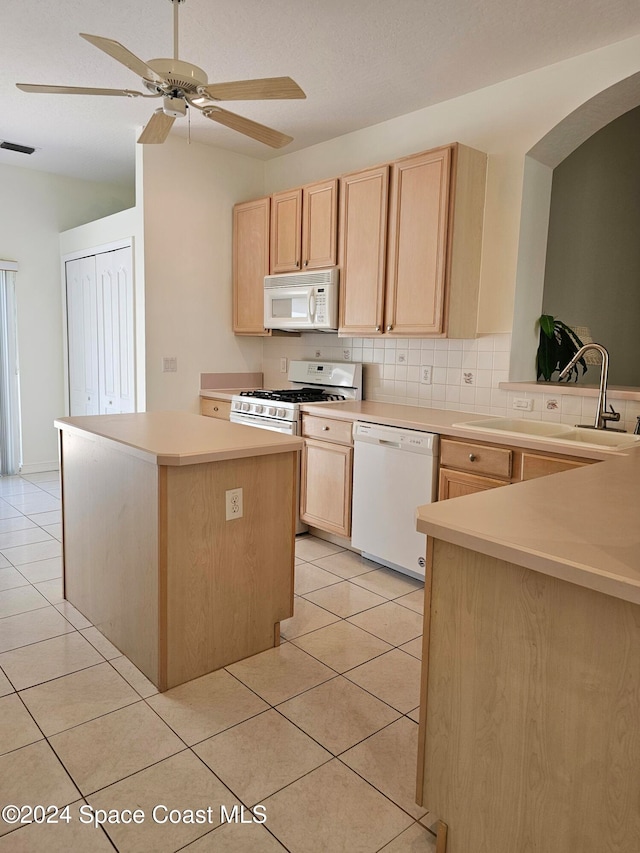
(425, 375)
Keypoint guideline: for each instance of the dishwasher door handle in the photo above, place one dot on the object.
(384, 443)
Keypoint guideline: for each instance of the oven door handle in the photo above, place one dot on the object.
(312, 303)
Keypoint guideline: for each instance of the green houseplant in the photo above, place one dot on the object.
(558, 344)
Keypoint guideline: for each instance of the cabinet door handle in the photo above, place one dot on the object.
(325, 429)
(472, 457)
(389, 328)
(215, 408)
(306, 263)
(378, 328)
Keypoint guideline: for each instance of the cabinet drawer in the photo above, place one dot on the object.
(215, 408)
(476, 458)
(327, 429)
(455, 484)
(536, 465)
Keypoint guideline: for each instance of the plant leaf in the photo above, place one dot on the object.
(558, 345)
(547, 325)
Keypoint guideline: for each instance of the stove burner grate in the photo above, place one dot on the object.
(295, 395)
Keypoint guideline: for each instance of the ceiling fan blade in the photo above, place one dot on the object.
(157, 128)
(263, 89)
(120, 53)
(250, 128)
(79, 90)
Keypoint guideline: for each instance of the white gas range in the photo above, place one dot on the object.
(311, 382)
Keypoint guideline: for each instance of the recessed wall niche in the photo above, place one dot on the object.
(592, 272)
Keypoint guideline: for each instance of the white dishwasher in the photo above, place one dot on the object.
(394, 472)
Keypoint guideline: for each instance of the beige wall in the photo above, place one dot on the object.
(188, 192)
(505, 121)
(592, 272)
(35, 208)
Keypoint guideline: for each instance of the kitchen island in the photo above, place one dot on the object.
(180, 576)
(530, 695)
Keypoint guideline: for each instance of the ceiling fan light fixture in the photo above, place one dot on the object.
(175, 107)
(201, 99)
(181, 84)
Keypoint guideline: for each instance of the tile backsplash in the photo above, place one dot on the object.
(441, 373)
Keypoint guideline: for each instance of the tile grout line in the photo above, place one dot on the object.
(270, 706)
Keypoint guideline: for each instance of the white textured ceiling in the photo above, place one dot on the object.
(359, 61)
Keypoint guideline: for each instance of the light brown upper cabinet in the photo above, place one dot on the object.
(304, 227)
(363, 241)
(250, 265)
(421, 277)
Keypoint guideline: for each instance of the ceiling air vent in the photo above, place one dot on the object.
(13, 146)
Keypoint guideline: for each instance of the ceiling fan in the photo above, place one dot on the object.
(182, 85)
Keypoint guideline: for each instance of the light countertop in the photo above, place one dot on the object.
(442, 421)
(581, 526)
(180, 438)
(222, 393)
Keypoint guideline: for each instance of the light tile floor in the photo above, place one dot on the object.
(322, 731)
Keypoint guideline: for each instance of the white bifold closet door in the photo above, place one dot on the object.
(100, 333)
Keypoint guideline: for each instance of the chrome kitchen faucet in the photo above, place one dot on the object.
(602, 417)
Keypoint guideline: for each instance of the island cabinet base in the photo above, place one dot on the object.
(151, 560)
(530, 710)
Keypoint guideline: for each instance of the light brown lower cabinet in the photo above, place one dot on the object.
(215, 408)
(327, 475)
(529, 705)
(468, 467)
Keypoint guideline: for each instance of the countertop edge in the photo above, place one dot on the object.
(223, 394)
(231, 450)
(536, 560)
(440, 422)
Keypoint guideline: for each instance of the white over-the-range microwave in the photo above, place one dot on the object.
(302, 301)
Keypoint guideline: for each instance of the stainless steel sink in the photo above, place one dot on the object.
(558, 433)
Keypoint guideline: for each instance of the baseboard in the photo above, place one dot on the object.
(40, 467)
(333, 538)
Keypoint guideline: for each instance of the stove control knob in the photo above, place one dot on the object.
(245, 407)
(280, 413)
(271, 411)
(259, 410)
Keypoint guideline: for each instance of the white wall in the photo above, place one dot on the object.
(505, 121)
(35, 207)
(188, 192)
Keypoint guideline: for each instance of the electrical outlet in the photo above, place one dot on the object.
(318, 353)
(170, 364)
(283, 365)
(233, 501)
(401, 356)
(346, 354)
(522, 404)
(425, 378)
